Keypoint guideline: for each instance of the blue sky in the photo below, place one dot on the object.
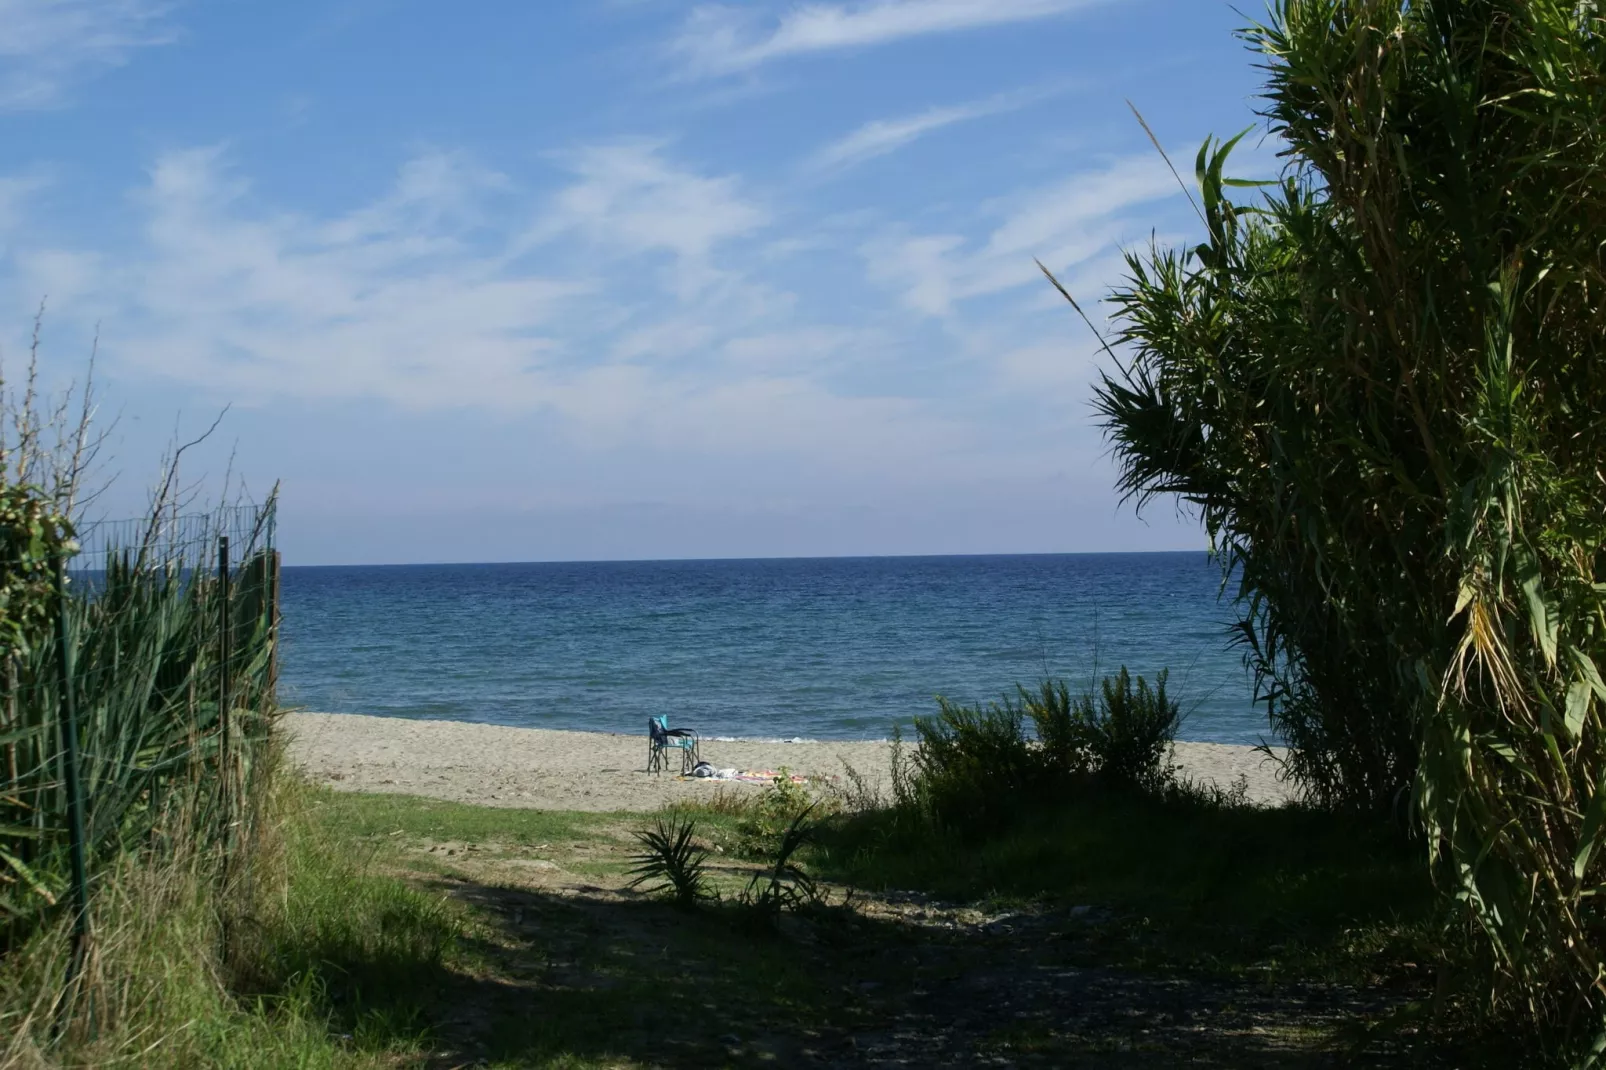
(607, 279)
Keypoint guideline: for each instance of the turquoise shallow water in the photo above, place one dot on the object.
(832, 648)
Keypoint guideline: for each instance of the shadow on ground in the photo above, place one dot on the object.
(588, 975)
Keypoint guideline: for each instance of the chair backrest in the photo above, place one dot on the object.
(658, 729)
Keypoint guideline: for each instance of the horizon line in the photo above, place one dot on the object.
(736, 560)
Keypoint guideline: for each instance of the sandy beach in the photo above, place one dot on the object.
(538, 768)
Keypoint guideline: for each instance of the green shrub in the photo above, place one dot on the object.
(765, 821)
(1130, 731)
(1381, 384)
(974, 765)
(1062, 726)
(979, 766)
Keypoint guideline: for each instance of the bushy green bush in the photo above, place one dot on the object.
(978, 766)
(764, 822)
(1130, 730)
(1380, 384)
(972, 766)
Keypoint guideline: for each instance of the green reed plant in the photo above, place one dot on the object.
(1381, 383)
(171, 669)
(146, 635)
(165, 709)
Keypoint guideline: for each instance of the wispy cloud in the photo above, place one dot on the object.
(719, 39)
(628, 195)
(414, 299)
(1064, 225)
(391, 300)
(881, 136)
(48, 45)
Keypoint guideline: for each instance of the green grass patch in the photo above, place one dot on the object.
(1189, 882)
(302, 954)
(362, 816)
(365, 947)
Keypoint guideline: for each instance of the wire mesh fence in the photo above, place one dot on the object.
(135, 722)
(186, 541)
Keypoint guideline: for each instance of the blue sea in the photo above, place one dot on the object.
(830, 648)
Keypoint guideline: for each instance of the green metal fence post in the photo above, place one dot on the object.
(75, 788)
(271, 561)
(224, 698)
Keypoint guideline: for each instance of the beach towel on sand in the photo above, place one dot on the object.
(745, 776)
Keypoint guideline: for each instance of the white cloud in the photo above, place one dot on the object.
(1059, 365)
(718, 39)
(807, 347)
(742, 416)
(433, 191)
(47, 45)
(419, 299)
(58, 277)
(1063, 225)
(388, 301)
(1067, 209)
(881, 136)
(629, 200)
(636, 309)
(53, 275)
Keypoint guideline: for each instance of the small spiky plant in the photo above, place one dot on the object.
(785, 886)
(672, 862)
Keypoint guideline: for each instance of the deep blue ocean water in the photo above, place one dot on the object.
(829, 648)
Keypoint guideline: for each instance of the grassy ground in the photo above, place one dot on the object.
(1115, 933)
(313, 959)
(416, 933)
(1230, 889)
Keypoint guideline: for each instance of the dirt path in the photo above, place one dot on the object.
(568, 967)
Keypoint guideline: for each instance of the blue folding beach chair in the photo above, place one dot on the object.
(661, 738)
